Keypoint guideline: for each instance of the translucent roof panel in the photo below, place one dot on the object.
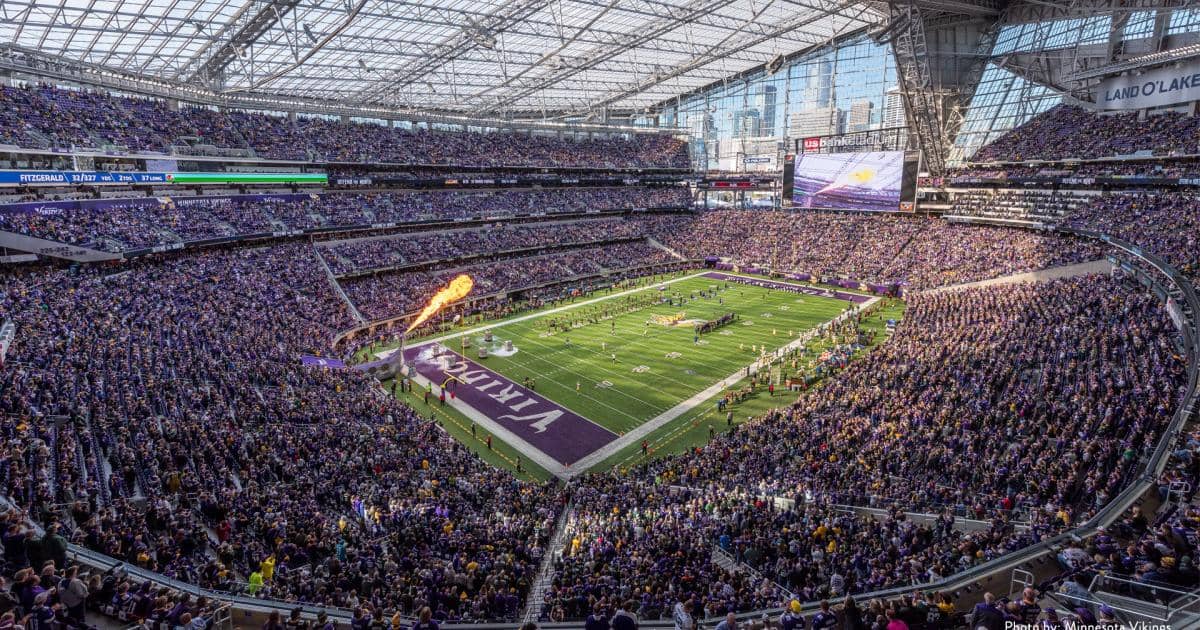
(473, 56)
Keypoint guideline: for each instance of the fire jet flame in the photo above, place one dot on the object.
(458, 289)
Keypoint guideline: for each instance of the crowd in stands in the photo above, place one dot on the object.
(389, 294)
(1161, 168)
(157, 413)
(1163, 223)
(1032, 205)
(160, 415)
(645, 546)
(132, 226)
(50, 117)
(921, 252)
(41, 587)
(1068, 131)
(393, 251)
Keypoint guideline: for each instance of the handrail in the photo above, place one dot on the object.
(1182, 601)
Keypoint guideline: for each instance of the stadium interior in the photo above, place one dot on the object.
(549, 314)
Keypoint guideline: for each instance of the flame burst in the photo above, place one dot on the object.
(458, 289)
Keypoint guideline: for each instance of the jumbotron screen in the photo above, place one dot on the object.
(849, 181)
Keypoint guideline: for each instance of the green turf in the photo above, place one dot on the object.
(656, 366)
(647, 378)
(695, 427)
(458, 426)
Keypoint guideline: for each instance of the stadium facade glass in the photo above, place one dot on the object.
(834, 89)
(1003, 100)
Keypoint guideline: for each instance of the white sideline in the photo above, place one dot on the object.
(530, 451)
(631, 437)
(657, 422)
(520, 318)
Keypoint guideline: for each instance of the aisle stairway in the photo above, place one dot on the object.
(545, 575)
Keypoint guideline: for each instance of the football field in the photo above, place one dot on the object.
(624, 369)
(570, 387)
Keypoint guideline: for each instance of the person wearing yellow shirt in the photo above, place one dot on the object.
(256, 583)
(267, 568)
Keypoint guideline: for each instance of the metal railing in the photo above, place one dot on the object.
(1165, 602)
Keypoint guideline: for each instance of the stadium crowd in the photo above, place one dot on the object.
(1163, 223)
(387, 294)
(1068, 131)
(192, 442)
(136, 225)
(157, 411)
(46, 117)
(392, 251)
(921, 252)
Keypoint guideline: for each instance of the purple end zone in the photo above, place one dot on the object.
(787, 286)
(565, 436)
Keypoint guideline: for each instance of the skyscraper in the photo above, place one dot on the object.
(893, 108)
(858, 117)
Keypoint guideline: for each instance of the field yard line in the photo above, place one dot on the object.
(656, 423)
(549, 464)
(607, 370)
(567, 387)
(557, 309)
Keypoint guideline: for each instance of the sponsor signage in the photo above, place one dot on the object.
(891, 138)
(1163, 86)
(51, 178)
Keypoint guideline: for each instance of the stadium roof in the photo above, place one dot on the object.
(484, 57)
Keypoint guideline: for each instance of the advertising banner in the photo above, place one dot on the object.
(51, 178)
(1155, 88)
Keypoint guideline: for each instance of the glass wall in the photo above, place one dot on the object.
(745, 124)
(1004, 100)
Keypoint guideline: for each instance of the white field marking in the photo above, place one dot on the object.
(608, 370)
(557, 309)
(656, 423)
(628, 346)
(616, 372)
(549, 464)
(599, 402)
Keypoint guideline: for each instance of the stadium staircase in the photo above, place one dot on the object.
(53, 249)
(728, 562)
(654, 242)
(545, 575)
(337, 288)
